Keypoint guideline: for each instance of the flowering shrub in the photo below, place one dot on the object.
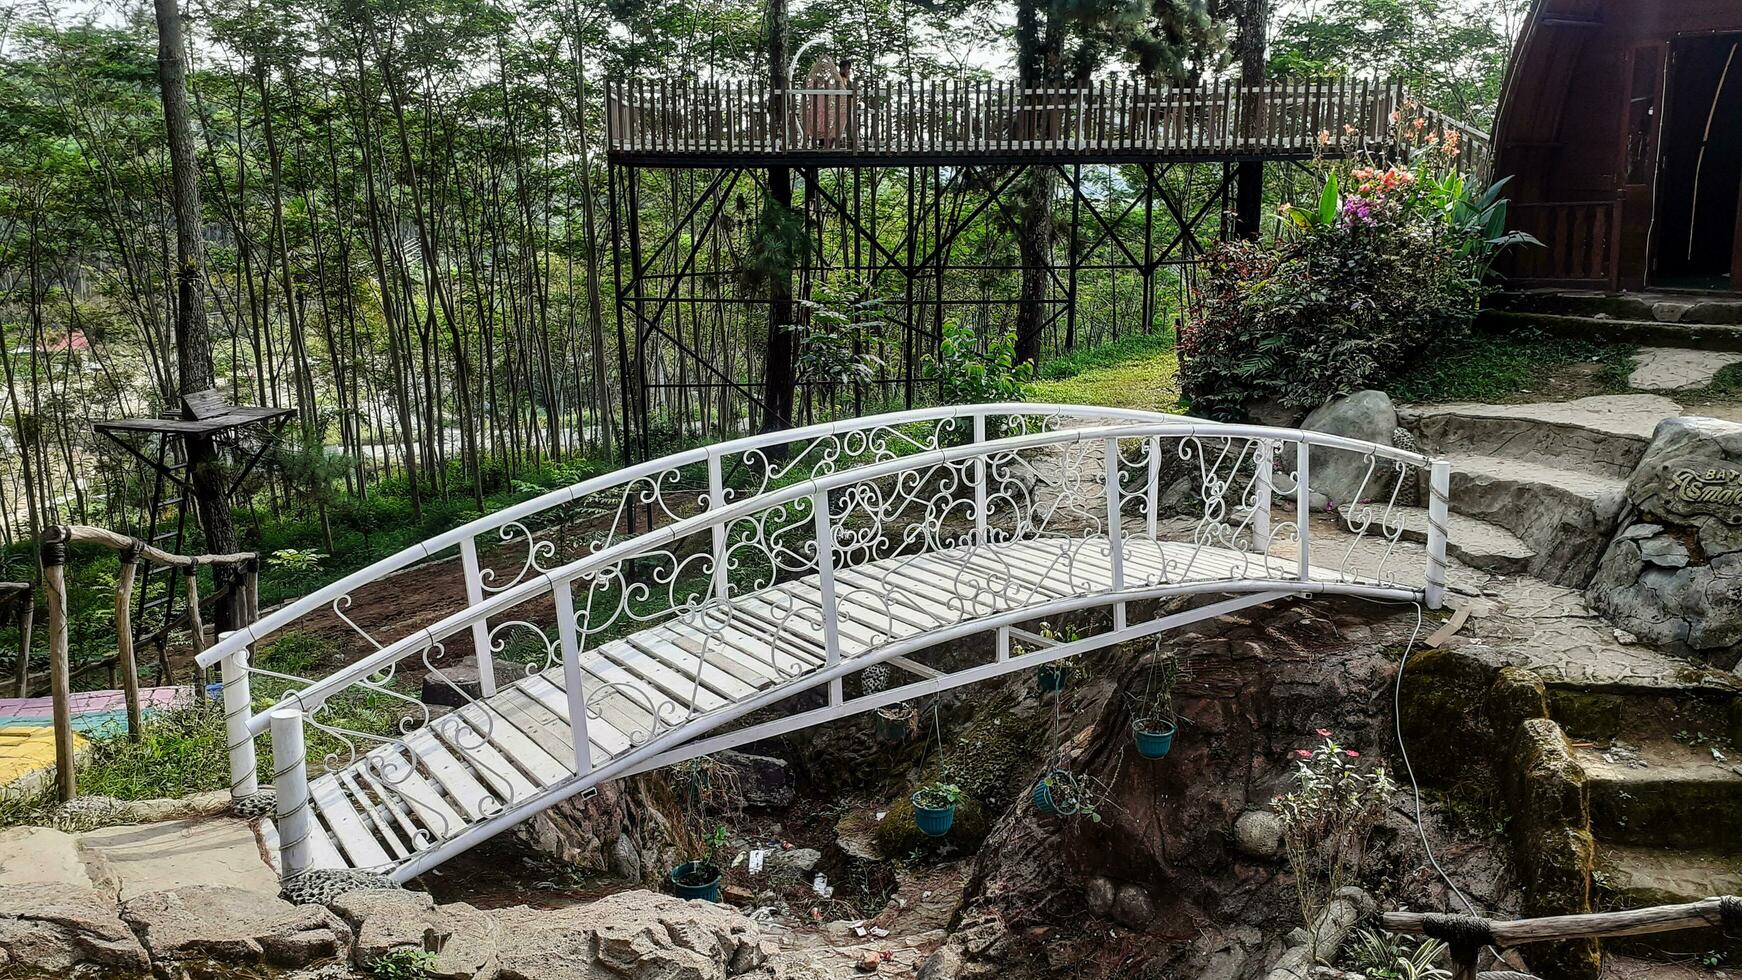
(1389, 261)
(1327, 818)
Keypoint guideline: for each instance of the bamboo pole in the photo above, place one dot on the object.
(54, 559)
(197, 626)
(124, 640)
(1705, 913)
(24, 601)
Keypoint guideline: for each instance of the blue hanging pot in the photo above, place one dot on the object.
(1154, 737)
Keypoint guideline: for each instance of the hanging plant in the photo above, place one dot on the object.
(1064, 794)
(1153, 721)
(934, 807)
(1052, 677)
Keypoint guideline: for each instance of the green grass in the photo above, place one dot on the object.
(1492, 368)
(1727, 382)
(1138, 372)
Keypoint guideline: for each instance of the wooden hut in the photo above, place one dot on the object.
(1621, 125)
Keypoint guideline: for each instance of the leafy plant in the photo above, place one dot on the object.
(406, 963)
(965, 376)
(937, 795)
(1075, 795)
(1382, 955)
(296, 559)
(1326, 820)
(1384, 264)
(836, 347)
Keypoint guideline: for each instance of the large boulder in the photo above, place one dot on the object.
(763, 781)
(49, 928)
(635, 935)
(1672, 575)
(234, 925)
(1339, 476)
(387, 919)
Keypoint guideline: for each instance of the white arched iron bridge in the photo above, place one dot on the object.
(738, 591)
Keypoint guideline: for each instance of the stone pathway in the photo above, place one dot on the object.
(130, 860)
(1677, 368)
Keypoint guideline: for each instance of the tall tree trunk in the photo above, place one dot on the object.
(1036, 67)
(1251, 20)
(782, 346)
(193, 341)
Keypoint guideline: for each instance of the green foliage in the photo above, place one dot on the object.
(1506, 367)
(1327, 818)
(937, 795)
(898, 836)
(296, 559)
(778, 245)
(1728, 380)
(1383, 265)
(837, 347)
(966, 376)
(181, 750)
(1380, 955)
(407, 963)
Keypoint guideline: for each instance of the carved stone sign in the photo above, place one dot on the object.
(1714, 491)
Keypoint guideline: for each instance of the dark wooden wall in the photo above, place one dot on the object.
(1564, 127)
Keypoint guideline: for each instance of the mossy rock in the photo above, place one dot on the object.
(1517, 696)
(991, 760)
(898, 836)
(1441, 710)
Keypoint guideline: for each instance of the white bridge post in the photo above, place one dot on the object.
(980, 471)
(1438, 518)
(1264, 474)
(717, 500)
(290, 780)
(826, 586)
(1115, 530)
(563, 596)
(1152, 497)
(481, 628)
(238, 711)
(1303, 508)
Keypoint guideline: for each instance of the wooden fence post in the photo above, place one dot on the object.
(124, 639)
(196, 625)
(54, 560)
(26, 619)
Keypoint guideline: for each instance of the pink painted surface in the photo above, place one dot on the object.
(103, 705)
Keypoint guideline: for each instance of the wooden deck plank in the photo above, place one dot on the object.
(390, 827)
(662, 647)
(355, 837)
(543, 766)
(654, 676)
(485, 760)
(400, 777)
(454, 777)
(606, 739)
(756, 674)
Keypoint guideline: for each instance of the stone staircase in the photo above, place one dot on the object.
(1537, 489)
(1676, 320)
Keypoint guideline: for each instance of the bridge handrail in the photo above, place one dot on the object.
(536, 585)
(454, 537)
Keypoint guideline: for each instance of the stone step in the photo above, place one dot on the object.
(1654, 307)
(1652, 333)
(1630, 877)
(1665, 793)
(1603, 434)
(1476, 543)
(1565, 516)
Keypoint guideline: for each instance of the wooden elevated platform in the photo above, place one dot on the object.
(689, 123)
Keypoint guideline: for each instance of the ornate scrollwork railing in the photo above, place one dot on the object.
(720, 581)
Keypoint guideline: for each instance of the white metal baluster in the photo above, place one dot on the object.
(238, 708)
(980, 472)
(481, 628)
(290, 780)
(826, 586)
(1438, 520)
(717, 500)
(1003, 653)
(562, 594)
(1264, 474)
(1153, 500)
(1303, 508)
(1115, 530)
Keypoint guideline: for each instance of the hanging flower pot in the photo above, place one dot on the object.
(696, 879)
(1056, 794)
(896, 725)
(934, 808)
(1052, 677)
(1154, 736)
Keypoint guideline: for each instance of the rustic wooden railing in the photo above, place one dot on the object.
(1465, 934)
(1111, 117)
(132, 551)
